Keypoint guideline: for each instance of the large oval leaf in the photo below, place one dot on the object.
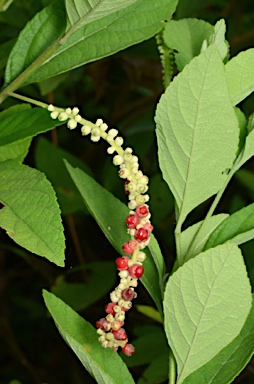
(23, 123)
(206, 304)
(197, 131)
(31, 215)
(83, 340)
(231, 360)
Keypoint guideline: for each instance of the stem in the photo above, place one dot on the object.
(28, 100)
(178, 244)
(211, 211)
(172, 368)
(30, 70)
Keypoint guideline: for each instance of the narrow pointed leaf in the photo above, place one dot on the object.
(24, 124)
(18, 149)
(31, 215)
(191, 232)
(240, 76)
(230, 361)
(37, 36)
(238, 228)
(110, 213)
(15, 151)
(197, 132)
(186, 37)
(248, 150)
(83, 340)
(206, 304)
(104, 37)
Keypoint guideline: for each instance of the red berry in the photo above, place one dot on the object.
(130, 246)
(136, 270)
(128, 294)
(125, 187)
(132, 221)
(102, 324)
(128, 350)
(120, 334)
(142, 211)
(109, 308)
(148, 226)
(142, 234)
(122, 263)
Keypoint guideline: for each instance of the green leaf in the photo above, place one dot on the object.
(240, 76)
(82, 12)
(25, 124)
(243, 126)
(50, 85)
(37, 36)
(31, 216)
(186, 37)
(83, 340)
(150, 312)
(15, 151)
(156, 372)
(247, 151)
(5, 50)
(218, 38)
(19, 149)
(49, 160)
(197, 132)
(191, 232)
(106, 36)
(80, 296)
(4, 5)
(206, 304)
(238, 228)
(230, 361)
(246, 178)
(110, 213)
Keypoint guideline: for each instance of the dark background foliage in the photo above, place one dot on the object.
(124, 90)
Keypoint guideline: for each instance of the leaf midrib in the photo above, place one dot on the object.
(186, 187)
(200, 320)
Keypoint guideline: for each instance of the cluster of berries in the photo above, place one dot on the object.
(110, 328)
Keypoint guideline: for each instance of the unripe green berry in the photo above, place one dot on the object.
(132, 204)
(54, 115)
(85, 130)
(72, 124)
(119, 141)
(99, 122)
(63, 116)
(103, 127)
(118, 160)
(140, 199)
(78, 118)
(51, 108)
(95, 139)
(110, 150)
(75, 111)
(113, 132)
